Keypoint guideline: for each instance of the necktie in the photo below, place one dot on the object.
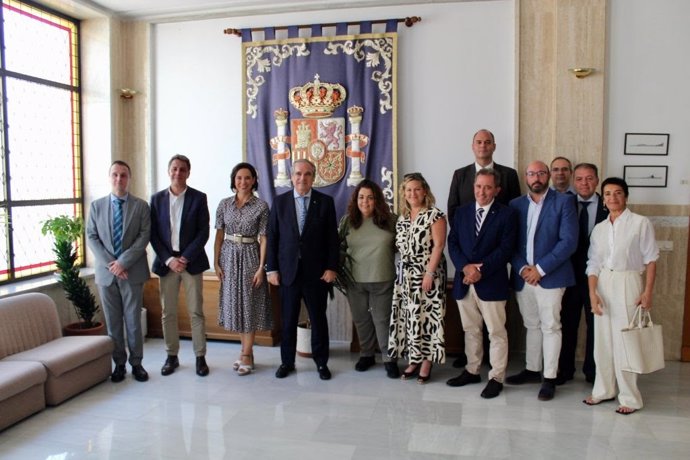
(584, 220)
(117, 227)
(478, 221)
(302, 213)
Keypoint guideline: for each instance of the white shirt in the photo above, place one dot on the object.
(627, 244)
(533, 212)
(176, 205)
(486, 212)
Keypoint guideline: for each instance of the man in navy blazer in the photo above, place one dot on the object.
(179, 231)
(547, 237)
(481, 243)
(302, 258)
(576, 298)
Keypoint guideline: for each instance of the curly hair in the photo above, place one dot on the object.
(382, 215)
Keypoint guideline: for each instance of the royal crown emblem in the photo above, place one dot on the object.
(317, 99)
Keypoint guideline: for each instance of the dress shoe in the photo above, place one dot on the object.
(460, 362)
(364, 363)
(171, 363)
(284, 370)
(547, 390)
(201, 366)
(118, 374)
(562, 378)
(392, 370)
(492, 389)
(525, 376)
(464, 379)
(324, 372)
(139, 373)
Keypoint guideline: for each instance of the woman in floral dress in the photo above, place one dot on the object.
(239, 257)
(416, 328)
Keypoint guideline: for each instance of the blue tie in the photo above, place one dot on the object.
(302, 213)
(117, 227)
(478, 221)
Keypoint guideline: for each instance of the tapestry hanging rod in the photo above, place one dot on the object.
(409, 22)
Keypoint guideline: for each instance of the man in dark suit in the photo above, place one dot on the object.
(462, 185)
(547, 237)
(118, 232)
(302, 258)
(576, 298)
(179, 231)
(481, 243)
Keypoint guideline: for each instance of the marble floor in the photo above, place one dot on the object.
(353, 416)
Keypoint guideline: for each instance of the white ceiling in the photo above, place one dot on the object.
(162, 10)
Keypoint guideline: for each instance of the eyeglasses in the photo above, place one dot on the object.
(536, 173)
(563, 169)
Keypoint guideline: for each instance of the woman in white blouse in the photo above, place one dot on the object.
(622, 249)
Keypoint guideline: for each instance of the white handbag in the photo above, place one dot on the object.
(643, 344)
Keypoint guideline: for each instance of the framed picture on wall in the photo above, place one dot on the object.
(646, 176)
(646, 144)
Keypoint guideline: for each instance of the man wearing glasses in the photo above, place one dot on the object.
(561, 175)
(547, 237)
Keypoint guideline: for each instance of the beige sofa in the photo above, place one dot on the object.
(38, 366)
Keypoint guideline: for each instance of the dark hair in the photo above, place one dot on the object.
(591, 166)
(181, 158)
(615, 181)
(382, 214)
(236, 169)
(121, 163)
(570, 165)
(489, 172)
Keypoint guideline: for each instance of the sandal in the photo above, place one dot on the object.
(246, 369)
(590, 401)
(409, 373)
(623, 410)
(236, 365)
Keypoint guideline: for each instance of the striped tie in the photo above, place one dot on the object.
(117, 227)
(302, 213)
(478, 221)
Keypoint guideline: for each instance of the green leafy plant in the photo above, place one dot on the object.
(66, 231)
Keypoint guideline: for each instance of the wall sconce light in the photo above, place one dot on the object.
(127, 93)
(581, 72)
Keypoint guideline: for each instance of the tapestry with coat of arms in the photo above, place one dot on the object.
(331, 100)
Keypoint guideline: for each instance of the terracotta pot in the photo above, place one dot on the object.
(78, 329)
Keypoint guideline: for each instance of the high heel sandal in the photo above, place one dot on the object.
(422, 379)
(246, 369)
(236, 365)
(406, 375)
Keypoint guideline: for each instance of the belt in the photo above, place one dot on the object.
(237, 238)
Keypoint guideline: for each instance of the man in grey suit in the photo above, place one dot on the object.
(118, 232)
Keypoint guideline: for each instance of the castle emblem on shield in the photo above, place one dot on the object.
(318, 136)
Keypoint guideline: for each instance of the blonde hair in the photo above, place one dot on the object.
(429, 199)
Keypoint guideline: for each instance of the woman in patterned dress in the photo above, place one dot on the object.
(239, 257)
(416, 328)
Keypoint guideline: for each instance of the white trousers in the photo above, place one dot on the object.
(474, 312)
(541, 314)
(618, 292)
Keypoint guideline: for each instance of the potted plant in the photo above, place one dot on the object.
(66, 232)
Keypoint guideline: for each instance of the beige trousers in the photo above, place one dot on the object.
(170, 291)
(474, 312)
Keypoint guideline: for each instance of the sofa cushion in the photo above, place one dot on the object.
(66, 353)
(27, 321)
(16, 377)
